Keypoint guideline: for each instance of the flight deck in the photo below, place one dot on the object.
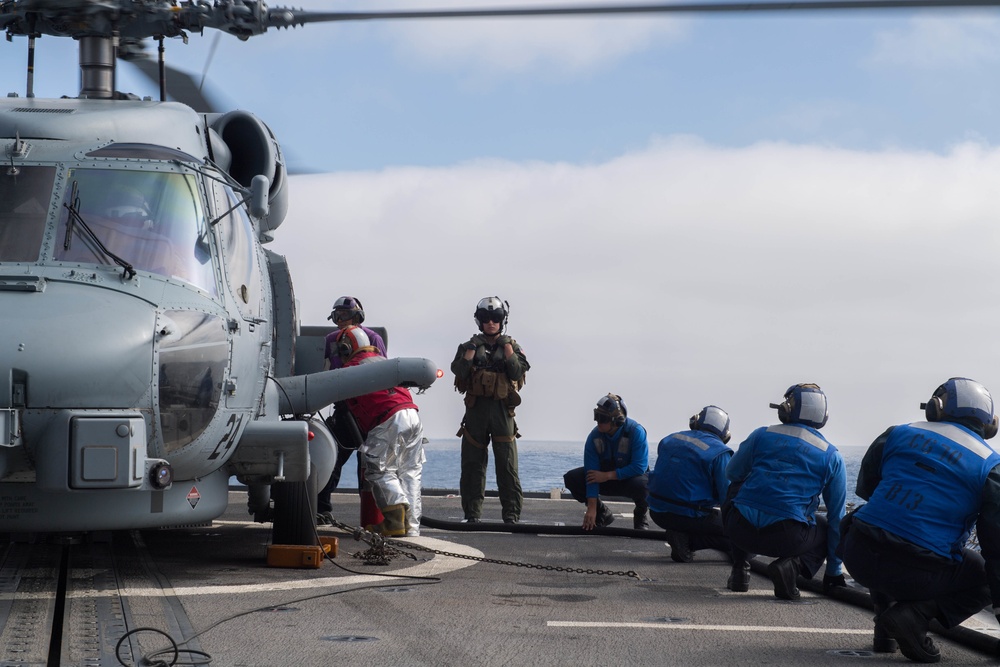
(205, 595)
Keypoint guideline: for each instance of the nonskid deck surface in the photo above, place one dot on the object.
(543, 605)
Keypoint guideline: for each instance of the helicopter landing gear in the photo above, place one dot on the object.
(294, 519)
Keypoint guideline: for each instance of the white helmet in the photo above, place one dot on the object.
(350, 341)
(961, 399)
(491, 309)
(712, 419)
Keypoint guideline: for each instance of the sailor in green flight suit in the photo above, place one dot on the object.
(489, 369)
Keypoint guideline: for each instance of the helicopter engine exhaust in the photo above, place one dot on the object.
(244, 146)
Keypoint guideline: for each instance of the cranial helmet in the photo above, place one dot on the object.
(126, 203)
(611, 407)
(803, 404)
(712, 419)
(345, 305)
(350, 341)
(961, 400)
(491, 308)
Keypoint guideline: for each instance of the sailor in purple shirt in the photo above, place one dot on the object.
(346, 311)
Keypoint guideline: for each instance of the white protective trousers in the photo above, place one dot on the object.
(393, 455)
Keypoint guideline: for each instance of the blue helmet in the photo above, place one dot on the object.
(803, 404)
(712, 419)
(962, 399)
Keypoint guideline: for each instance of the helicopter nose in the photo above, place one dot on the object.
(78, 346)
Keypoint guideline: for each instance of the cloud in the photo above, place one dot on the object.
(515, 45)
(680, 275)
(932, 43)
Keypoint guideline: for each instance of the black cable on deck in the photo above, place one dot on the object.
(972, 639)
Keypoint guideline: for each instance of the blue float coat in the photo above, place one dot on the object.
(930, 485)
(783, 470)
(987, 524)
(628, 461)
(691, 468)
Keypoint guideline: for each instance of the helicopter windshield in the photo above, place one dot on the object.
(24, 202)
(155, 221)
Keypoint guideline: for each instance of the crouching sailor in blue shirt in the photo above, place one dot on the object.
(777, 477)
(615, 460)
(689, 483)
(927, 484)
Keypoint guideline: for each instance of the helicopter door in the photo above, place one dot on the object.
(241, 255)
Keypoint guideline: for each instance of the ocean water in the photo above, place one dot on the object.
(541, 465)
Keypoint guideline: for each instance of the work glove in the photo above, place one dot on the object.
(831, 581)
(468, 345)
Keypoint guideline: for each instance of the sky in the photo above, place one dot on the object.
(682, 211)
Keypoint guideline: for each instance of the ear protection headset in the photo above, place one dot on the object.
(344, 347)
(784, 409)
(934, 408)
(361, 309)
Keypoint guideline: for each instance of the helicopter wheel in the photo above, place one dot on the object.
(294, 519)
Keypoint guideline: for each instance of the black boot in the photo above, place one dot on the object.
(680, 546)
(739, 578)
(783, 573)
(907, 623)
(639, 521)
(604, 515)
(882, 642)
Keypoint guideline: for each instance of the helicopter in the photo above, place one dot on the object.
(155, 349)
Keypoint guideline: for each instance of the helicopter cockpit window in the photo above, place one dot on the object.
(155, 221)
(238, 248)
(142, 151)
(24, 205)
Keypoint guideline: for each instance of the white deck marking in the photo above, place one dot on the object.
(437, 566)
(713, 628)
(432, 568)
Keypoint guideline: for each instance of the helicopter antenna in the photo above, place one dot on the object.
(163, 68)
(30, 92)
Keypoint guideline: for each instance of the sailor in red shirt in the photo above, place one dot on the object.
(393, 450)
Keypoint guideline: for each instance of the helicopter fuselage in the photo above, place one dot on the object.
(142, 340)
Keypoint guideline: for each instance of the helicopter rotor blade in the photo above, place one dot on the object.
(289, 17)
(180, 85)
(244, 19)
(208, 61)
